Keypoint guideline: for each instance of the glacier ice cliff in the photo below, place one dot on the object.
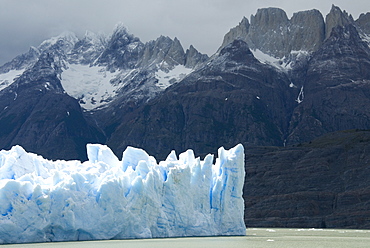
(105, 198)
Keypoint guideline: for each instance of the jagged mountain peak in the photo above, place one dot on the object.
(160, 52)
(237, 51)
(364, 23)
(193, 57)
(165, 53)
(88, 49)
(352, 55)
(238, 32)
(66, 40)
(22, 61)
(41, 77)
(120, 28)
(271, 32)
(95, 38)
(122, 50)
(121, 36)
(64, 43)
(336, 17)
(269, 17)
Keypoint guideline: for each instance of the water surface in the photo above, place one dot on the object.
(255, 238)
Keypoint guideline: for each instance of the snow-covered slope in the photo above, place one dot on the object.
(95, 86)
(104, 198)
(8, 78)
(91, 85)
(284, 64)
(166, 79)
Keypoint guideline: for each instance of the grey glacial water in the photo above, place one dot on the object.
(255, 238)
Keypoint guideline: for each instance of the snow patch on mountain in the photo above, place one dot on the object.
(8, 78)
(270, 60)
(281, 64)
(91, 85)
(366, 38)
(300, 96)
(166, 79)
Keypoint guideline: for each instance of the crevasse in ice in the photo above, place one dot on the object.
(105, 198)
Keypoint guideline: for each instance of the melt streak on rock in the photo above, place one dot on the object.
(104, 198)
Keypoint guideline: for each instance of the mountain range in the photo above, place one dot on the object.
(275, 85)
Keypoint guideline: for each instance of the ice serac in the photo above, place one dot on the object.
(105, 198)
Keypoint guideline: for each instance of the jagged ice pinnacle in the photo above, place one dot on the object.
(104, 198)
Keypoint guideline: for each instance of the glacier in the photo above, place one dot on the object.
(107, 198)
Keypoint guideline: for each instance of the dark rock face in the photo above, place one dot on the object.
(307, 31)
(271, 32)
(193, 57)
(321, 184)
(268, 31)
(88, 49)
(141, 85)
(335, 18)
(37, 114)
(335, 86)
(122, 50)
(164, 52)
(364, 23)
(223, 103)
(239, 32)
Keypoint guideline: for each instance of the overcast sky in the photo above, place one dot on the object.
(202, 23)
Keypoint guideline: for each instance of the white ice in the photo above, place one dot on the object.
(105, 198)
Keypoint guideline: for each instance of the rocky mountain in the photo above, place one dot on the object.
(50, 93)
(37, 113)
(211, 105)
(275, 83)
(122, 50)
(364, 23)
(247, 96)
(335, 94)
(319, 184)
(271, 32)
(86, 50)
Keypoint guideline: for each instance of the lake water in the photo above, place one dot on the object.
(255, 238)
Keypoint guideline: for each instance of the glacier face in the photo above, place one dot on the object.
(105, 198)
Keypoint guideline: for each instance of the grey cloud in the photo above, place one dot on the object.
(201, 23)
